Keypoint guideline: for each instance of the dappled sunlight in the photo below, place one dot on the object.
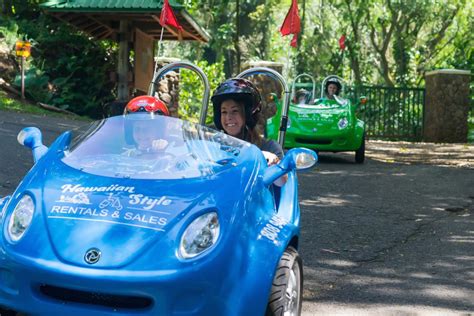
(422, 215)
(399, 174)
(446, 292)
(388, 235)
(381, 281)
(443, 264)
(421, 275)
(339, 263)
(438, 281)
(309, 202)
(332, 172)
(449, 155)
(338, 309)
(326, 201)
(466, 257)
(464, 239)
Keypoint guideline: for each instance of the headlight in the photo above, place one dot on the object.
(21, 218)
(342, 123)
(200, 235)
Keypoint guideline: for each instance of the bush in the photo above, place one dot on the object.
(67, 69)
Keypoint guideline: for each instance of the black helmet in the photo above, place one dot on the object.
(333, 81)
(241, 90)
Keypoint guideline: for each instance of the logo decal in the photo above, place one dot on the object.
(111, 201)
(92, 256)
(79, 198)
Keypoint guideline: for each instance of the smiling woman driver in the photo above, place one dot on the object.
(237, 104)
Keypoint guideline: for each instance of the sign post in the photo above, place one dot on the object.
(23, 50)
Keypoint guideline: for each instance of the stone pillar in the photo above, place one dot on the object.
(167, 89)
(446, 106)
(266, 85)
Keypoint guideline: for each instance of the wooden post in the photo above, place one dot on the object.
(23, 77)
(122, 65)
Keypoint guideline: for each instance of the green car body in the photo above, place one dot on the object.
(322, 125)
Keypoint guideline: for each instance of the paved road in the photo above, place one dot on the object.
(382, 238)
(387, 238)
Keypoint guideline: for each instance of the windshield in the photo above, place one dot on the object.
(140, 146)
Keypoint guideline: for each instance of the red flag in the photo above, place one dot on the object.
(167, 16)
(342, 42)
(292, 24)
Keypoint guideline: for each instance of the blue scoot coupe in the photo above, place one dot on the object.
(192, 229)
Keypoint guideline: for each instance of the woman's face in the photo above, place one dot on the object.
(232, 117)
(332, 89)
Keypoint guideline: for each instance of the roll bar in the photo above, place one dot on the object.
(286, 100)
(293, 86)
(330, 77)
(187, 65)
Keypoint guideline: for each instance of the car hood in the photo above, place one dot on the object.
(308, 117)
(122, 218)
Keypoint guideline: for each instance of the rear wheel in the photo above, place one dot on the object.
(360, 153)
(287, 287)
(7, 312)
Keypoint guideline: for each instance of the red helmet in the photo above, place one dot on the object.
(239, 90)
(146, 103)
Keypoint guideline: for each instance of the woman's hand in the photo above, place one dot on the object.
(271, 158)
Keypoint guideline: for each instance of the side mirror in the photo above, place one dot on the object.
(296, 158)
(32, 138)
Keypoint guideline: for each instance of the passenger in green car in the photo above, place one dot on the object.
(332, 88)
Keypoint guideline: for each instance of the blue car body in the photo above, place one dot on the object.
(106, 232)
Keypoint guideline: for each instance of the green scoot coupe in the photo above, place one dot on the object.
(325, 124)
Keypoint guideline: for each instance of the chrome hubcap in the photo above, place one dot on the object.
(292, 293)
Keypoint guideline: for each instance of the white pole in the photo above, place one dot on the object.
(159, 51)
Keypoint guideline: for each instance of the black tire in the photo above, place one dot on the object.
(287, 286)
(360, 153)
(7, 312)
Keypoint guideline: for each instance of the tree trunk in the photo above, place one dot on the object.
(6, 7)
(236, 39)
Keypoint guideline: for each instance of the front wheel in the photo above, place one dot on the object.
(287, 287)
(360, 153)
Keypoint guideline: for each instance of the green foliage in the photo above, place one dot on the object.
(67, 69)
(79, 66)
(192, 89)
(8, 32)
(388, 42)
(36, 85)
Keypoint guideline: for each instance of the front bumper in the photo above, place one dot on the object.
(346, 140)
(205, 287)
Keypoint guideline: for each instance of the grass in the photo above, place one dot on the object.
(7, 103)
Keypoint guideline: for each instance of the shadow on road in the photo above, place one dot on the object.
(387, 233)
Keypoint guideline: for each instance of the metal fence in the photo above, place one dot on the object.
(389, 113)
(392, 113)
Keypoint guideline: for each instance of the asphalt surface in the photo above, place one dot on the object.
(386, 238)
(392, 236)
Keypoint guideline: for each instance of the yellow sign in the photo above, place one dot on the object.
(23, 49)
